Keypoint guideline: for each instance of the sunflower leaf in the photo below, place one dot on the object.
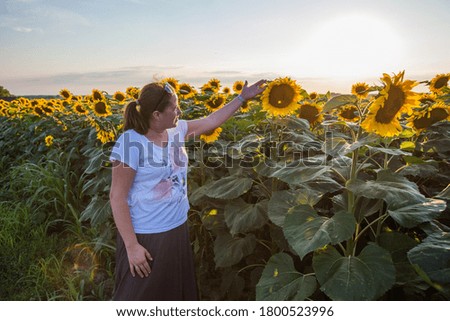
(339, 101)
(280, 281)
(306, 231)
(228, 187)
(242, 217)
(364, 277)
(230, 250)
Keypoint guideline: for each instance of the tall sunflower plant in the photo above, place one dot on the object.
(371, 235)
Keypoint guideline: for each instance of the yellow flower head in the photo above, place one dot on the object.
(312, 112)
(211, 136)
(425, 117)
(207, 89)
(238, 86)
(172, 82)
(105, 136)
(215, 84)
(281, 96)
(79, 109)
(427, 99)
(226, 90)
(215, 102)
(65, 93)
(313, 95)
(348, 113)
(48, 140)
(186, 91)
(439, 82)
(360, 90)
(101, 108)
(120, 97)
(394, 99)
(97, 95)
(132, 92)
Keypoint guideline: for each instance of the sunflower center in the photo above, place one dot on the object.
(281, 96)
(392, 105)
(436, 115)
(186, 88)
(360, 89)
(309, 112)
(80, 109)
(215, 103)
(441, 82)
(100, 107)
(349, 113)
(96, 95)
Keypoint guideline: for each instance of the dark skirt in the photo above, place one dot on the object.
(173, 275)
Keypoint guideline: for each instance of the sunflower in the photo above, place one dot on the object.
(226, 90)
(211, 136)
(427, 99)
(215, 102)
(97, 95)
(394, 99)
(245, 106)
(65, 93)
(105, 136)
(280, 97)
(313, 95)
(48, 140)
(215, 84)
(79, 109)
(348, 113)
(439, 82)
(132, 92)
(312, 112)
(120, 97)
(101, 108)
(360, 90)
(186, 91)
(172, 82)
(425, 117)
(238, 86)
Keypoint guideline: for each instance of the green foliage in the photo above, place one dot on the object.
(4, 92)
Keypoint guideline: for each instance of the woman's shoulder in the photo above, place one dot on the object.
(130, 135)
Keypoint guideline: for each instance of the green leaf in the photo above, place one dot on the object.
(242, 217)
(230, 250)
(433, 257)
(306, 231)
(389, 151)
(363, 277)
(297, 174)
(280, 281)
(98, 211)
(398, 244)
(282, 201)
(339, 101)
(395, 189)
(229, 187)
(445, 193)
(412, 215)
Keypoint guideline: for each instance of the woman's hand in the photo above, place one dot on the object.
(138, 258)
(255, 89)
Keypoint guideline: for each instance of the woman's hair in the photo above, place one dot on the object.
(153, 97)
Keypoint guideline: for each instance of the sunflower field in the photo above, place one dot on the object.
(299, 196)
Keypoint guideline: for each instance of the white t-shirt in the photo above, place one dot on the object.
(158, 196)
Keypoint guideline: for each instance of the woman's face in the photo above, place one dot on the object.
(169, 117)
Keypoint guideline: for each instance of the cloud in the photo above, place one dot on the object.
(22, 29)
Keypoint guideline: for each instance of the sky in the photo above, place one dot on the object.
(325, 45)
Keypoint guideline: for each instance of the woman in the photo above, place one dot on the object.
(149, 195)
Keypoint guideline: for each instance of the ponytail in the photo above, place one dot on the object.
(134, 118)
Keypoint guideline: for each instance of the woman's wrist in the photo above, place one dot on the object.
(241, 99)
